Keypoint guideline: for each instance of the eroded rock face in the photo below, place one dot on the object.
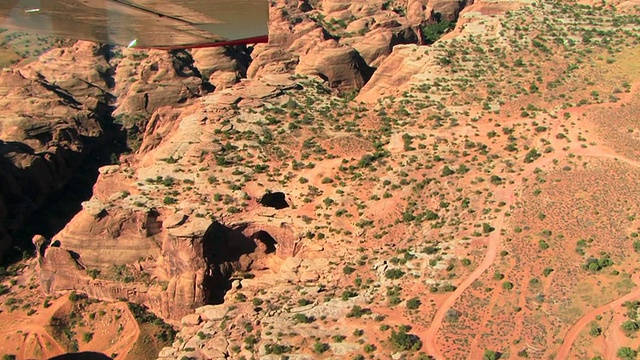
(171, 254)
(110, 237)
(166, 253)
(342, 67)
(360, 35)
(172, 269)
(146, 81)
(222, 66)
(57, 110)
(49, 120)
(419, 10)
(406, 66)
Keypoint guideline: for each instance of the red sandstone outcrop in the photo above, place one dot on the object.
(408, 65)
(341, 66)
(341, 41)
(222, 66)
(56, 110)
(167, 254)
(146, 81)
(171, 269)
(49, 120)
(171, 254)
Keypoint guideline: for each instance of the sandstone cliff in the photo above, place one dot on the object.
(167, 253)
(152, 232)
(52, 113)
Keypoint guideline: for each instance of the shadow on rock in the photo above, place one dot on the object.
(87, 355)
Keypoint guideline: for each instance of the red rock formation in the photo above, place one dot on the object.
(49, 119)
(172, 265)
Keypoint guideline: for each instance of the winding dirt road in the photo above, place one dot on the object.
(575, 330)
(492, 250)
(494, 240)
(429, 336)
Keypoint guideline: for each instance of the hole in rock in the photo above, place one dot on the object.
(276, 200)
(85, 355)
(267, 240)
(224, 249)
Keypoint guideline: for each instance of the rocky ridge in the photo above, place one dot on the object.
(340, 43)
(394, 224)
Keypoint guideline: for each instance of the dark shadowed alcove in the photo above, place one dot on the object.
(276, 200)
(266, 239)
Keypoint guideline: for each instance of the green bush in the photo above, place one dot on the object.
(88, 336)
(432, 32)
(320, 347)
(168, 200)
(348, 270)
(627, 353)
(394, 274)
(413, 303)
(489, 355)
(357, 311)
(303, 319)
(277, 349)
(630, 326)
(402, 341)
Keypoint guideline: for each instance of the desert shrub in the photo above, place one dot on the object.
(88, 336)
(303, 319)
(348, 270)
(348, 294)
(627, 353)
(489, 355)
(446, 171)
(532, 156)
(413, 303)
(452, 315)
(434, 31)
(320, 347)
(402, 341)
(357, 311)
(394, 274)
(595, 330)
(338, 338)
(168, 200)
(276, 349)
(257, 301)
(630, 326)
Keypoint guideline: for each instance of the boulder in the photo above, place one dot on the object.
(342, 67)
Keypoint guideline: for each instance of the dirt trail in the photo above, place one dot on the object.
(575, 330)
(430, 335)
(126, 343)
(494, 240)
